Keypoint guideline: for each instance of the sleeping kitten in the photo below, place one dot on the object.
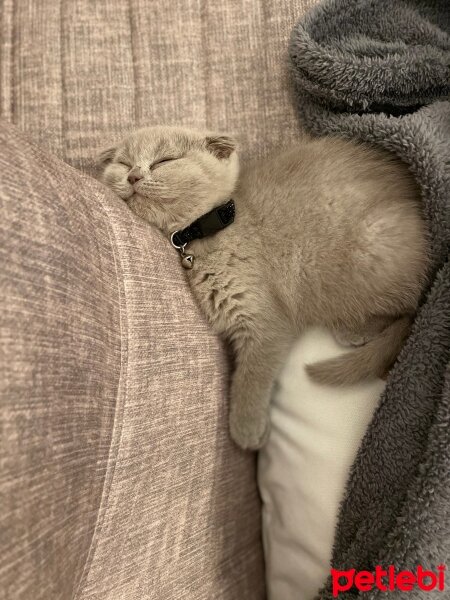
(328, 232)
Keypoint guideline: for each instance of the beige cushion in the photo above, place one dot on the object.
(117, 485)
(118, 479)
(77, 75)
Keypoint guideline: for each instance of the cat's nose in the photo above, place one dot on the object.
(134, 176)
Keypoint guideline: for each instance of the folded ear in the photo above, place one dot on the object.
(106, 156)
(221, 146)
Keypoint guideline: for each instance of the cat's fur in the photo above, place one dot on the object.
(328, 232)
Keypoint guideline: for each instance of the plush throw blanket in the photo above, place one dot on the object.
(379, 71)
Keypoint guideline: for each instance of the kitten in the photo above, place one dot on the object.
(329, 232)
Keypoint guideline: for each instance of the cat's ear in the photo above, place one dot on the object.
(106, 156)
(221, 146)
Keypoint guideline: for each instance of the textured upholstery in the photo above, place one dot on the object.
(78, 74)
(118, 480)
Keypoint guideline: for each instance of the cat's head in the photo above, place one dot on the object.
(170, 176)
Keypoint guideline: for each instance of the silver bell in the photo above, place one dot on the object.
(187, 261)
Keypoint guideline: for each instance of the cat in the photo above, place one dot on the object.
(328, 232)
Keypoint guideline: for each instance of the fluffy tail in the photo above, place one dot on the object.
(374, 359)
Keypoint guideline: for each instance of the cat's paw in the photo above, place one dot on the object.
(249, 434)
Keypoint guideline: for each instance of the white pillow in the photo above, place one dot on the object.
(303, 469)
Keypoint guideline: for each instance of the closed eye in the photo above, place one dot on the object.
(160, 162)
(121, 162)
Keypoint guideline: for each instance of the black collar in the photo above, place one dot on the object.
(208, 224)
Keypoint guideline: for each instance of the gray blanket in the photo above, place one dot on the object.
(379, 71)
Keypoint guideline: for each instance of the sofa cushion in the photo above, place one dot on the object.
(304, 468)
(118, 477)
(78, 75)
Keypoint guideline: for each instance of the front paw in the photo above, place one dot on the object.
(250, 432)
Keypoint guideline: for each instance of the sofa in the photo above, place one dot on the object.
(118, 478)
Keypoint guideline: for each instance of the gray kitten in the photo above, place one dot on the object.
(327, 233)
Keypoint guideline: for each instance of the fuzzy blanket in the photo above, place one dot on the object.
(378, 71)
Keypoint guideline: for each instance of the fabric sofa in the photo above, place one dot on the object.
(118, 479)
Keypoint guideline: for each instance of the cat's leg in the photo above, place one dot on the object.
(258, 362)
(358, 335)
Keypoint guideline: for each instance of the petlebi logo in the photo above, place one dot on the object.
(388, 580)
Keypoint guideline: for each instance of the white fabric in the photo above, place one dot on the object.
(302, 471)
